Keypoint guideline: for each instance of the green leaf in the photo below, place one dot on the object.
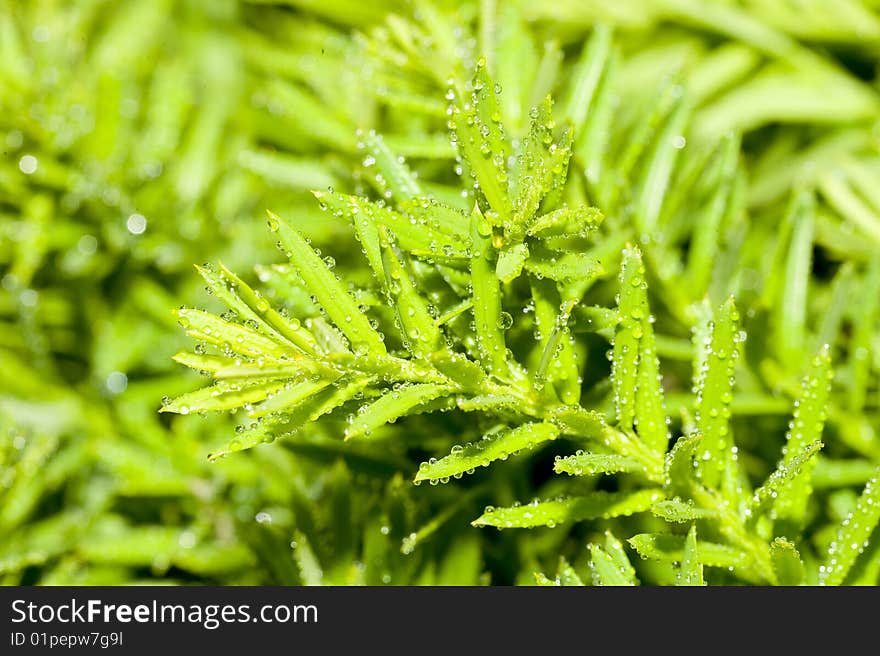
(306, 560)
(651, 420)
(393, 177)
(422, 225)
(691, 566)
(635, 367)
(542, 580)
(541, 165)
(261, 311)
(715, 392)
(232, 336)
(393, 405)
(419, 332)
(494, 446)
(487, 298)
(807, 425)
(436, 216)
(222, 397)
(480, 140)
(555, 351)
(676, 510)
(598, 505)
(484, 402)
(567, 575)
(853, 535)
(566, 222)
(204, 362)
(308, 410)
(610, 565)
(625, 347)
(864, 320)
(655, 179)
(594, 137)
(574, 420)
(638, 139)
(785, 473)
(787, 564)
(586, 74)
(459, 369)
(288, 397)
(514, 61)
(511, 260)
(556, 359)
(708, 226)
(564, 267)
(679, 464)
(671, 548)
(342, 309)
(588, 464)
(791, 311)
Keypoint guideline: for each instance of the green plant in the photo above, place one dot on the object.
(731, 147)
(436, 333)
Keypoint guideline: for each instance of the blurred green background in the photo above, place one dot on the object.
(142, 137)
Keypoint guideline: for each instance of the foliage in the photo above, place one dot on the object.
(545, 299)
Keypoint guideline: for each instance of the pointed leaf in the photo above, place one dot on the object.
(691, 567)
(566, 222)
(311, 409)
(586, 75)
(679, 464)
(785, 473)
(714, 394)
(306, 560)
(706, 238)
(853, 535)
(598, 505)
(261, 311)
(228, 335)
(787, 564)
(676, 510)
(480, 141)
(511, 260)
(541, 165)
(431, 213)
(542, 580)
(203, 362)
(655, 179)
(670, 548)
(588, 464)
(487, 298)
(419, 332)
(574, 420)
(393, 177)
(635, 367)
(625, 347)
(567, 575)
(557, 361)
(422, 224)
(493, 446)
(291, 396)
(459, 369)
(807, 426)
(791, 309)
(864, 321)
(564, 267)
(331, 294)
(222, 397)
(610, 565)
(393, 405)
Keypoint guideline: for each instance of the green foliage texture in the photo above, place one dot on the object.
(563, 293)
